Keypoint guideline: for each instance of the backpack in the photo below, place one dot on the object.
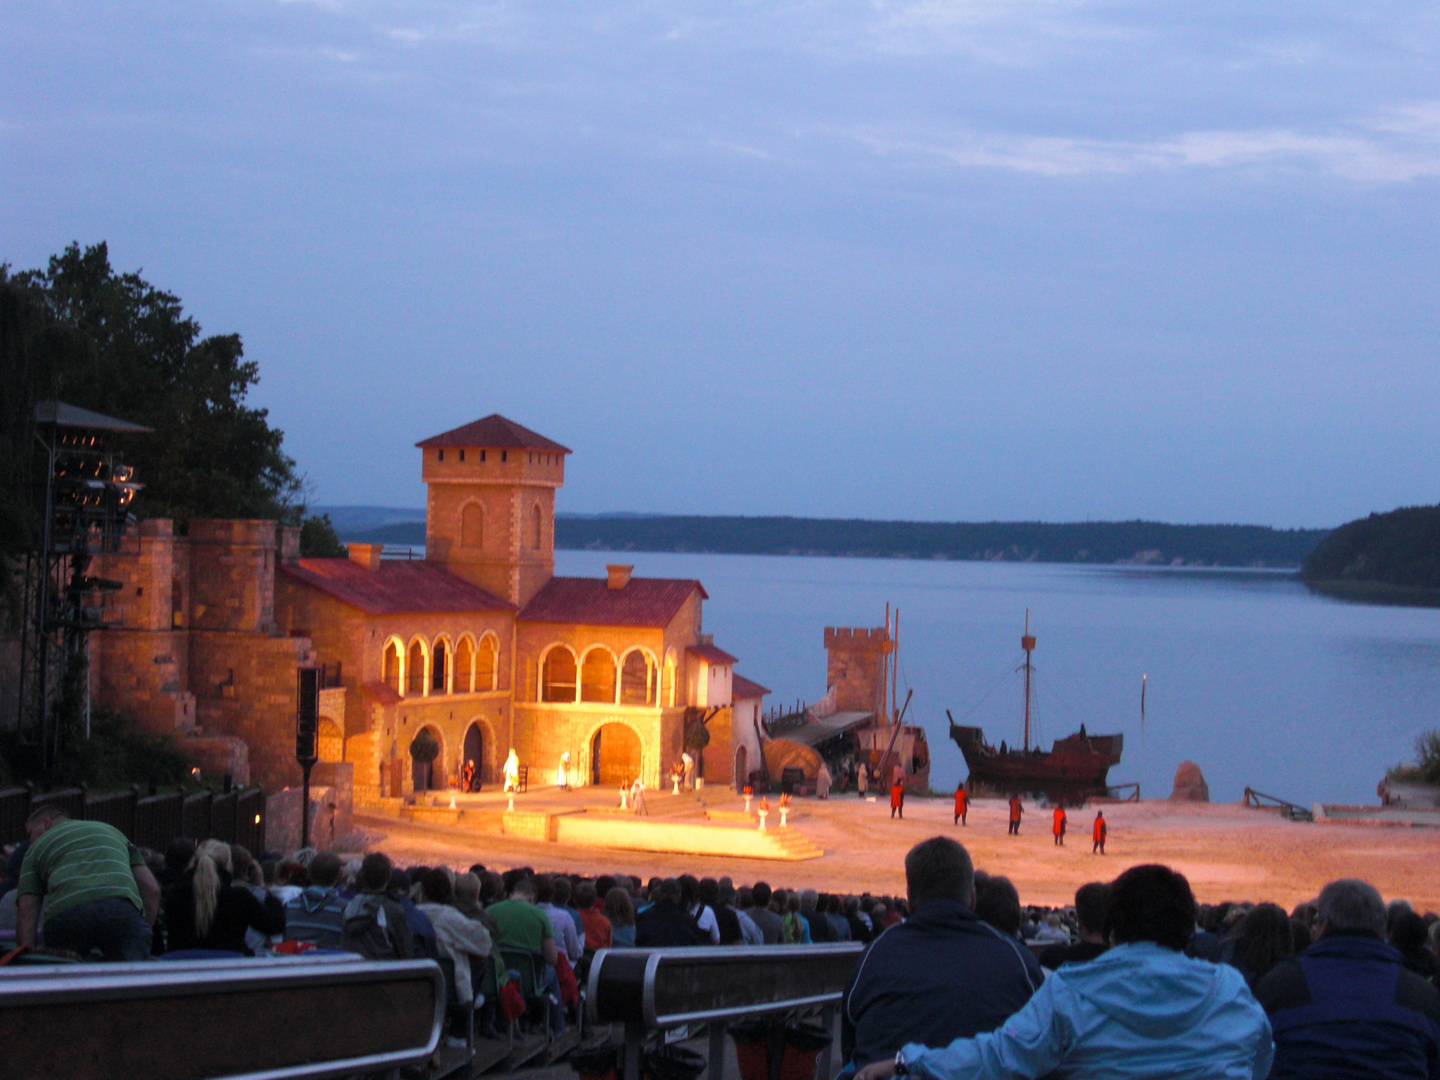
(366, 928)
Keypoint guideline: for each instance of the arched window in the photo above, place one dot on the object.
(438, 656)
(487, 663)
(415, 669)
(537, 524)
(390, 666)
(472, 526)
(597, 677)
(638, 679)
(558, 675)
(464, 666)
(669, 690)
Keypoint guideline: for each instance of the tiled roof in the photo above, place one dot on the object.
(495, 431)
(741, 687)
(650, 602)
(398, 587)
(711, 655)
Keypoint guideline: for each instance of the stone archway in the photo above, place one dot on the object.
(474, 750)
(742, 767)
(614, 755)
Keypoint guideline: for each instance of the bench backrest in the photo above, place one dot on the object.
(173, 1020)
(667, 987)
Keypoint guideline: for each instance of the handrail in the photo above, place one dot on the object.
(1291, 810)
(657, 989)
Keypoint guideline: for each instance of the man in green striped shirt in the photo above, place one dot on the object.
(97, 891)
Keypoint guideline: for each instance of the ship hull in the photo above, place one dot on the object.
(1073, 769)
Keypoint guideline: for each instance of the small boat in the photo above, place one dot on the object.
(1074, 768)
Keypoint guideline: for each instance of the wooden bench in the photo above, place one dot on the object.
(307, 1016)
(658, 989)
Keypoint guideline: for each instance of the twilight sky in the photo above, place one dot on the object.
(1050, 259)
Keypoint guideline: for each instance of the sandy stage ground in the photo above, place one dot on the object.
(1227, 851)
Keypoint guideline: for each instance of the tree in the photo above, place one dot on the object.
(318, 539)
(116, 344)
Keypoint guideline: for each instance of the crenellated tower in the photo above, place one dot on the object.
(490, 508)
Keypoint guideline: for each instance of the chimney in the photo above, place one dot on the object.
(367, 555)
(617, 577)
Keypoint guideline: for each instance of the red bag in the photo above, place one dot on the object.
(512, 1002)
(569, 988)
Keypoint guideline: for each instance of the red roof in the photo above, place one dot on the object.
(495, 431)
(741, 687)
(711, 655)
(399, 587)
(650, 602)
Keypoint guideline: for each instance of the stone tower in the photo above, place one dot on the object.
(856, 668)
(490, 511)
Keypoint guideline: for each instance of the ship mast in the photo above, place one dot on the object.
(1027, 642)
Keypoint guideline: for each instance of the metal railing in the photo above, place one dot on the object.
(152, 821)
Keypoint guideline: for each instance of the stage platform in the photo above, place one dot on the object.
(708, 822)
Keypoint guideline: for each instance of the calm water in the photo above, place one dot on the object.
(1250, 676)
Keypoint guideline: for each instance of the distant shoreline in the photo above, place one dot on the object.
(1136, 543)
(1377, 592)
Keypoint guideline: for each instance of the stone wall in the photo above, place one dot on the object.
(854, 666)
(232, 575)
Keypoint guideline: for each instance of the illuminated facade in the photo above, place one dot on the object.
(479, 644)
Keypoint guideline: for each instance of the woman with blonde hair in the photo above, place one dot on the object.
(206, 909)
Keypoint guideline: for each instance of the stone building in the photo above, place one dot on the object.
(478, 644)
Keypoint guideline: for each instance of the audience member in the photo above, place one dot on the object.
(1348, 1006)
(208, 909)
(375, 925)
(621, 913)
(942, 975)
(97, 891)
(1141, 1010)
(458, 938)
(666, 922)
(1090, 903)
(317, 915)
(772, 926)
(597, 927)
(1259, 941)
(567, 940)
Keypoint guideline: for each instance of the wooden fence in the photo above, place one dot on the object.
(150, 821)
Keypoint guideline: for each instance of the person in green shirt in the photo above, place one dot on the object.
(97, 891)
(523, 926)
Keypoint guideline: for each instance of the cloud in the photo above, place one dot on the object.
(1393, 146)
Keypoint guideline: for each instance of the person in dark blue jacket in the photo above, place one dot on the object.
(942, 974)
(1347, 1006)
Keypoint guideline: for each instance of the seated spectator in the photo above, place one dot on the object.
(375, 925)
(97, 892)
(997, 902)
(458, 938)
(1259, 941)
(772, 926)
(797, 929)
(1348, 1006)
(666, 922)
(401, 885)
(524, 927)
(564, 894)
(819, 926)
(467, 902)
(597, 926)
(942, 975)
(317, 915)
(731, 905)
(621, 914)
(208, 909)
(725, 917)
(1408, 934)
(562, 928)
(859, 925)
(839, 926)
(700, 911)
(1143, 1009)
(1090, 903)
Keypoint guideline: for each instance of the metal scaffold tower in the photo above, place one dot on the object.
(83, 491)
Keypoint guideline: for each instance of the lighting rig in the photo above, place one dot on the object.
(87, 491)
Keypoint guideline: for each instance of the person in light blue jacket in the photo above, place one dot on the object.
(1141, 1010)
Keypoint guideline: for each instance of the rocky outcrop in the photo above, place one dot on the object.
(1190, 784)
